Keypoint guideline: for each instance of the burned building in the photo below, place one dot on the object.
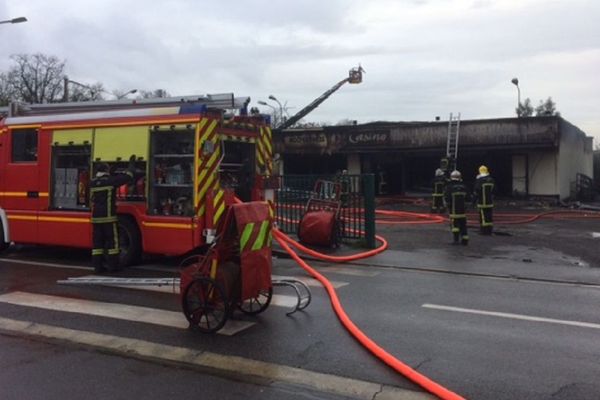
(535, 156)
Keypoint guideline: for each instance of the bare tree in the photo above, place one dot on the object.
(36, 78)
(308, 125)
(153, 94)
(5, 90)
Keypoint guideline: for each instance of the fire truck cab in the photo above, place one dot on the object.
(193, 154)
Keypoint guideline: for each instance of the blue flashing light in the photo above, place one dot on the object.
(191, 108)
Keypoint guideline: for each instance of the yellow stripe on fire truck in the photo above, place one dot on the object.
(219, 206)
(267, 149)
(14, 217)
(206, 161)
(199, 128)
(22, 194)
(260, 153)
(211, 161)
(166, 225)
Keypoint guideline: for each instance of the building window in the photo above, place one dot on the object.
(24, 145)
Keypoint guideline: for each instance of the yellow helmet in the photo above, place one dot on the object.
(483, 170)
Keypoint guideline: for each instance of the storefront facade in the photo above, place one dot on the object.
(537, 156)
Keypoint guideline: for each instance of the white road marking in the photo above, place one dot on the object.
(513, 316)
(119, 311)
(595, 235)
(243, 367)
(278, 300)
(45, 264)
(307, 280)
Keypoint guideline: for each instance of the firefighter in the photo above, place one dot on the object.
(103, 194)
(439, 187)
(483, 196)
(447, 164)
(456, 193)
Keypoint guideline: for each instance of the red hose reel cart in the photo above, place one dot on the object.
(235, 272)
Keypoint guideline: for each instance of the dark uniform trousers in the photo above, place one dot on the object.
(484, 193)
(105, 238)
(456, 194)
(437, 201)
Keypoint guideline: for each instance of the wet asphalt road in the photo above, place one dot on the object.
(485, 324)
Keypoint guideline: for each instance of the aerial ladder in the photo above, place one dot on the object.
(354, 77)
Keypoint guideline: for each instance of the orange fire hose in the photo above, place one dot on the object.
(363, 339)
(337, 259)
(412, 218)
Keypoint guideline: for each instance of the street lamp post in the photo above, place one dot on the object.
(132, 91)
(264, 103)
(66, 87)
(271, 97)
(515, 81)
(14, 20)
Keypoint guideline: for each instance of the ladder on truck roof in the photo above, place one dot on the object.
(452, 141)
(225, 101)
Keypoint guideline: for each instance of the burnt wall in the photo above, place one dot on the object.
(420, 136)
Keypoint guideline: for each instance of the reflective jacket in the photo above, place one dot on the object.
(456, 197)
(103, 196)
(483, 191)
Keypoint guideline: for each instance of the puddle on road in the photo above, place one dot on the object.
(536, 255)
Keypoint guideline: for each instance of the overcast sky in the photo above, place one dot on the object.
(423, 58)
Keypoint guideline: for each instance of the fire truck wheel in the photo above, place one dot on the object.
(130, 242)
(257, 304)
(205, 305)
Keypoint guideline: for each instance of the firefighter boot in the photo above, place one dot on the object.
(97, 263)
(113, 263)
(464, 240)
(456, 238)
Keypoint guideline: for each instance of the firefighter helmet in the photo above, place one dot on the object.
(483, 170)
(439, 172)
(102, 167)
(456, 175)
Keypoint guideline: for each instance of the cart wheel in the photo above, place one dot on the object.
(205, 305)
(257, 304)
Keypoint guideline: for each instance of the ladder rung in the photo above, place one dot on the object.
(120, 281)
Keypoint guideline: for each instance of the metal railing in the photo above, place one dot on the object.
(356, 197)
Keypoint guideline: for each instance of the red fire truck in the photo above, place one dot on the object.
(193, 154)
